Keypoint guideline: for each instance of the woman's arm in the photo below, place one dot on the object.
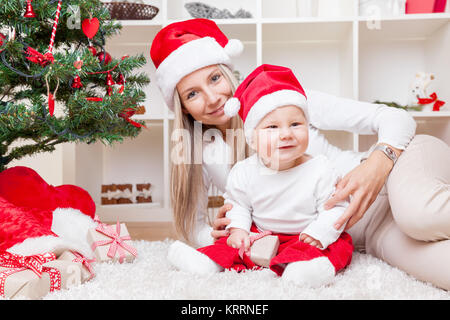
(395, 128)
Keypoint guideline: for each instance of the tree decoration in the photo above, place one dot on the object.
(34, 70)
(29, 11)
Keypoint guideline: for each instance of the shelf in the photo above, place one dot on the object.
(133, 213)
(430, 114)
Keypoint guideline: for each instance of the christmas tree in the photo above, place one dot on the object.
(52, 53)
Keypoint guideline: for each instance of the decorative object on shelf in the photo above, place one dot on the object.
(439, 6)
(238, 76)
(32, 277)
(419, 6)
(131, 10)
(381, 7)
(126, 193)
(111, 243)
(109, 194)
(27, 104)
(202, 10)
(215, 201)
(143, 192)
(418, 95)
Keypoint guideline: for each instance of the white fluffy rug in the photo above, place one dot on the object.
(151, 277)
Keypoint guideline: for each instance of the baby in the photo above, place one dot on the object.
(280, 189)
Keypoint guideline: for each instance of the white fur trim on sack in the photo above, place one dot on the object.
(191, 56)
(270, 102)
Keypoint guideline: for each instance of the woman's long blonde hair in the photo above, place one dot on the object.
(188, 191)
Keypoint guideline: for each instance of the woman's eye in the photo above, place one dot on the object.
(190, 95)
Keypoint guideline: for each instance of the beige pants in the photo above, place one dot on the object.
(408, 226)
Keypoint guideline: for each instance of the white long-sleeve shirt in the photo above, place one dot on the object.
(288, 201)
(326, 112)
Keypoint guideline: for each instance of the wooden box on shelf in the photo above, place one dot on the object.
(143, 192)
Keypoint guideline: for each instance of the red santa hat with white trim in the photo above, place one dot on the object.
(184, 47)
(268, 87)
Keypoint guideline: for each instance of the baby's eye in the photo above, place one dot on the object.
(272, 127)
(295, 124)
(216, 77)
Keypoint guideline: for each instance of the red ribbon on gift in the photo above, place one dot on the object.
(35, 263)
(117, 242)
(433, 98)
(253, 238)
(85, 262)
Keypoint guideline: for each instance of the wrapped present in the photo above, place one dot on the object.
(35, 276)
(85, 264)
(264, 247)
(110, 194)
(111, 242)
(126, 195)
(143, 192)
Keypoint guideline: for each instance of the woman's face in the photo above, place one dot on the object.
(203, 94)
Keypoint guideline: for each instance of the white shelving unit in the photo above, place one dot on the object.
(343, 55)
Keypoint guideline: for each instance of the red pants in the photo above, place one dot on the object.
(290, 250)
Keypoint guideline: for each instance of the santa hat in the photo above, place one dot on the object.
(37, 217)
(183, 47)
(268, 87)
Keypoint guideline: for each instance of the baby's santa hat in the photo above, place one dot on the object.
(36, 217)
(268, 87)
(184, 47)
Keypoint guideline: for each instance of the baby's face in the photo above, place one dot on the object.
(281, 137)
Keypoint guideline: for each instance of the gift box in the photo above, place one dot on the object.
(419, 6)
(263, 249)
(85, 264)
(111, 243)
(143, 192)
(33, 277)
(109, 194)
(126, 195)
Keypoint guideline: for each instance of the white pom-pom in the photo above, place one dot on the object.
(232, 107)
(234, 47)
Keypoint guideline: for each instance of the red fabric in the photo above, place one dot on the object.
(173, 36)
(264, 80)
(291, 250)
(23, 187)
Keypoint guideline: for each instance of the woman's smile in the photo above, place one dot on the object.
(218, 112)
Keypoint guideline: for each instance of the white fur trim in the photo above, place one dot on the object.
(313, 273)
(44, 244)
(186, 258)
(234, 47)
(73, 225)
(270, 102)
(232, 107)
(191, 56)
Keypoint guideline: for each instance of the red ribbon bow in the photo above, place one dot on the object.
(117, 242)
(433, 98)
(37, 57)
(127, 113)
(85, 262)
(18, 263)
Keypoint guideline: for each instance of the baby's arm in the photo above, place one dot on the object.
(321, 232)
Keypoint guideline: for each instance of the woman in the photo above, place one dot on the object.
(403, 211)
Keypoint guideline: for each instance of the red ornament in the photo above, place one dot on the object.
(109, 80)
(51, 104)
(121, 79)
(90, 27)
(76, 84)
(109, 91)
(78, 64)
(29, 12)
(92, 50)
(2, 37)
(104, 57)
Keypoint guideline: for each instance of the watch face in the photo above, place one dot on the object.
(390, 152)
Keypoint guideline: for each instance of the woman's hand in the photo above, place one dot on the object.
(363, 183)
(237, 238)
(221, 221)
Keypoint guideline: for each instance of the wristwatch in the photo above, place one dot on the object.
(388, 151)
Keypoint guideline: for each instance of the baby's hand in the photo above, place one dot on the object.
(237, 238)
(310, 240)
